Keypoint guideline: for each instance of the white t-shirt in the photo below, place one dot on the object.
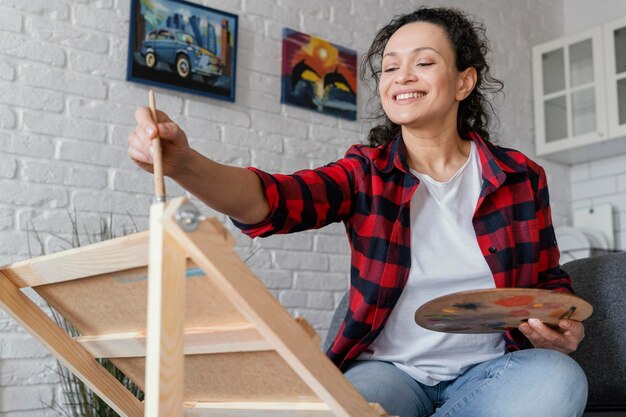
(445, 258)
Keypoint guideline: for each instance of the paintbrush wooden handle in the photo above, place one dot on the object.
(157, 155)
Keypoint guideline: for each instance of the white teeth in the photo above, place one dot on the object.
(405, 96)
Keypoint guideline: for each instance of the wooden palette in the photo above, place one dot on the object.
(499, 310)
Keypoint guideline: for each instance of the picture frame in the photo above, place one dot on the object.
(183, 46)
(318, 75)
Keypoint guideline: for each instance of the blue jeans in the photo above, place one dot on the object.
(527, 383)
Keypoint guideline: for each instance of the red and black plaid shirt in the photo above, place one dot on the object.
(370, 190)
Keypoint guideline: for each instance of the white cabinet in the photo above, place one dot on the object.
(577, 103)
(615, 50)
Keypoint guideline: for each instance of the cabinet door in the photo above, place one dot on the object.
(615, 50)
(570, 102)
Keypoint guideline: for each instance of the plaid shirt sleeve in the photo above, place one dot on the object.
(551, 276)
(307, 199)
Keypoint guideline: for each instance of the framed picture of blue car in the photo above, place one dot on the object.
(183, 46)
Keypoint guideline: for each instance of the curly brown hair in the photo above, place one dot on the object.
(470, 45)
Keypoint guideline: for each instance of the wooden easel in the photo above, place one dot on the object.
(211, 323)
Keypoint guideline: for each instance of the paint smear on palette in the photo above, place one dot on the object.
(516, 301)
(441, 317)
(451, 327)
(519, 313)
(468, 306)
(553, 306)
(497, 325)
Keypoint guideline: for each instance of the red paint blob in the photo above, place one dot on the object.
(519, 313)
(515, 301)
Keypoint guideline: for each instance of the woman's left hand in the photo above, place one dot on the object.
(565, 339)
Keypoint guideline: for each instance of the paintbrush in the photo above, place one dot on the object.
(157, 155)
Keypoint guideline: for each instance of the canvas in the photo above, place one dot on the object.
(319, 75)
(184, 46)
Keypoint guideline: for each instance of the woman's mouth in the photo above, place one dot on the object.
(409, 96)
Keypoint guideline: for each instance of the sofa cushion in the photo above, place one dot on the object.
(601, 281)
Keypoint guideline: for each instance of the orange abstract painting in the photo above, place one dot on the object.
(319, 75)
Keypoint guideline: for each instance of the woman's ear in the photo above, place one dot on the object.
(467, 82)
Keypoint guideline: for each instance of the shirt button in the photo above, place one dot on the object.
(493, 249)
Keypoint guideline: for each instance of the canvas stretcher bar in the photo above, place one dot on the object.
(238, 337)
(99, 258)
(259, 409)
(235, 337)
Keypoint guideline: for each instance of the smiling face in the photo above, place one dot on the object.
(420, 87)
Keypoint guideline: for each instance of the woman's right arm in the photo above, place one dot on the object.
(236, 192)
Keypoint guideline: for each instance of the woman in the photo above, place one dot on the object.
(430, 208)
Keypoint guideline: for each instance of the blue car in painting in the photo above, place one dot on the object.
(179, 51)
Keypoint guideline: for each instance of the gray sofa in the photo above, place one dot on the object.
(600, 280)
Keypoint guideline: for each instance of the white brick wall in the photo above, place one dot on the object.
(65, 112)
(601, 182)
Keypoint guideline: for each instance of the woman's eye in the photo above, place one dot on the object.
(424, 64)
(390, 69)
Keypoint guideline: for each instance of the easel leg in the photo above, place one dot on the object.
(67, 350)
(166, 296)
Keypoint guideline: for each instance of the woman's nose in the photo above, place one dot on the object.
(404, 74)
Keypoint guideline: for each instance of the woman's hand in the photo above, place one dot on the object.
(174, 144)
(236, 192)
(565, 339)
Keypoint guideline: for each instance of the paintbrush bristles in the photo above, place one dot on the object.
(157, 155)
